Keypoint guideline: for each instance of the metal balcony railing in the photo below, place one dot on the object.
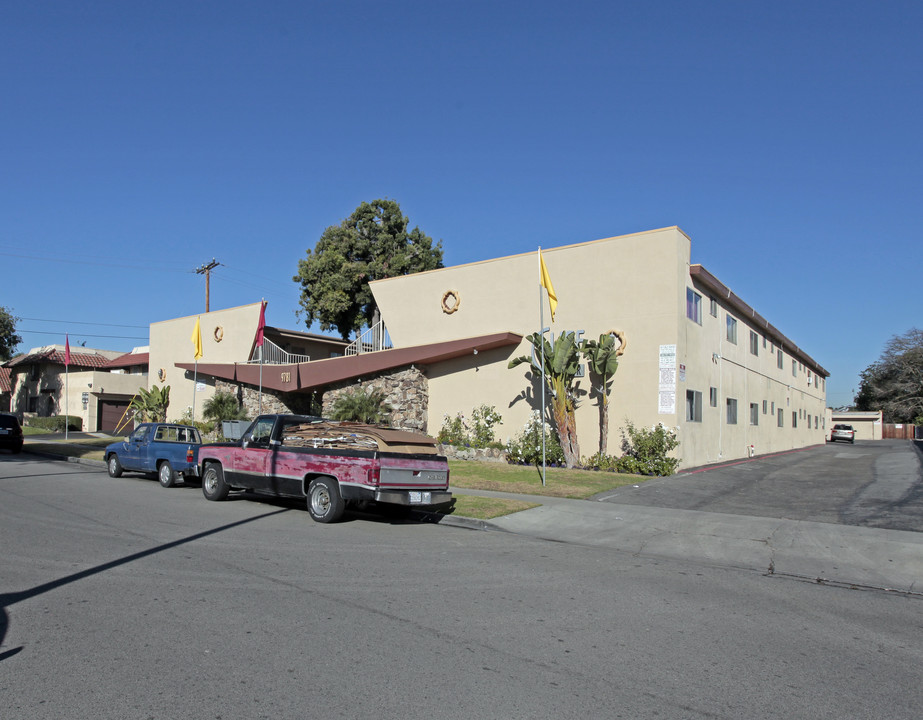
(372, 340)
(274, 355)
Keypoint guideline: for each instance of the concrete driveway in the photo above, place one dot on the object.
(871, 483)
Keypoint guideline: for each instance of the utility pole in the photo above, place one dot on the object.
(206, 270)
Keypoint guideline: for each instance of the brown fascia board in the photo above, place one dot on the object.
(702, 277)
(318, 373)
(297, 334)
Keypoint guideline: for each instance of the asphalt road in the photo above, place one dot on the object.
(125, 600)
(871, 483)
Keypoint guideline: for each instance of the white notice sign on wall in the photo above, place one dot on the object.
(666, 404)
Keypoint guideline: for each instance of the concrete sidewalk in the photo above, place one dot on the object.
(822, 552)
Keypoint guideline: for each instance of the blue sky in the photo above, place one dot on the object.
(141, 140)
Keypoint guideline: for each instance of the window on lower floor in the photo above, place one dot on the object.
(794, 419)
(754, 414)
(732, 411)
(780, 421)
(693, 406)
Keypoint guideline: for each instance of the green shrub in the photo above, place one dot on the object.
(647, 451)
(606, 463)
(478, 434)
(56, 423)
(526, 448)
(362, 405)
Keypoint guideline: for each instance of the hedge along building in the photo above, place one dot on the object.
(698, 358)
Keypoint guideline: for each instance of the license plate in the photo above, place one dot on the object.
(4, 431)
(418, 496)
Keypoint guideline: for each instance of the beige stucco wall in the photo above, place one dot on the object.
(634, 283)
(227, 336)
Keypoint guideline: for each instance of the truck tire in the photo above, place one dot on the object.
(114, 466)
(213, 485)
(166, 474)
(324, 501)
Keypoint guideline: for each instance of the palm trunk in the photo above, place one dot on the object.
(604, 426)
(566, 425)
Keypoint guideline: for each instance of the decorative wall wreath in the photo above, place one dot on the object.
(219, 333)
(456, 301)
(621, 338)
(162, 374)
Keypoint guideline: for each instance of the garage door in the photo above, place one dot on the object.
(110, 415)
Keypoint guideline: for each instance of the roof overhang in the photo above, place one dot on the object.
(702, 277)
(320, 373)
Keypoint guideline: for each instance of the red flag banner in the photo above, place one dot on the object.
(67, 351)
(261, 326)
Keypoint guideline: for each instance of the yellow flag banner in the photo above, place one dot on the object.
(546, 283)
(197, 339)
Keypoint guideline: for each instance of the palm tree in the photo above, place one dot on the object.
(223, 406)
(561, 363)
(361, 405)
(603, 360)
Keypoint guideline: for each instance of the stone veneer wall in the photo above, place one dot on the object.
(249, 397)
(406, 390)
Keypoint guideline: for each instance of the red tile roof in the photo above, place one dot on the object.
(56, 357)
(129, 360)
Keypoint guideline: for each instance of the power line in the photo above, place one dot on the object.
(71, 261)
(51, 332)
(80, 322)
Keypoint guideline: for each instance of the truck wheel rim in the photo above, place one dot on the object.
(210, 481)
(320, 501)
(164, 475)
(112, 464)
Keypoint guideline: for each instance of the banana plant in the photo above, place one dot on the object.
(151, 405)
(602, 358)
(561, 363)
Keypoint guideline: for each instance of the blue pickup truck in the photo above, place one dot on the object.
(167, 449)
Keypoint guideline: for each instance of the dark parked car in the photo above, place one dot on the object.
(843, 432)
(10, 433)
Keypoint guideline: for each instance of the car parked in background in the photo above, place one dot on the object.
(10, 433)
(845, 433)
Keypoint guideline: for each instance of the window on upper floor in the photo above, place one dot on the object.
(779, 359)
(732, 411)
(713, 307)
(693, 306)
(754, 343)
(713, 397)
(732, 329)
(794, 368)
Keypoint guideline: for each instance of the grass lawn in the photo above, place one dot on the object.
(524, 480)
(91, 448)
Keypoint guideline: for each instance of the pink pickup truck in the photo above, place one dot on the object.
(331, 463)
